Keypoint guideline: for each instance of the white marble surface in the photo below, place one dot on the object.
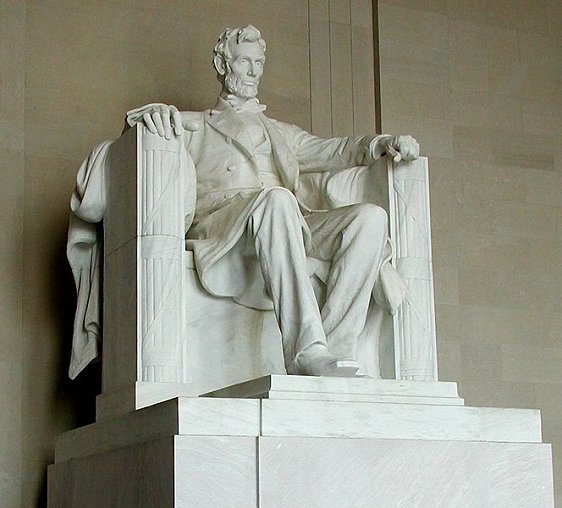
(216, 472)
(186, 416)
(415, 340)
(303, 418)
(372, 473)
(309, 418)
(344, 389)
(172, 472)
(138, 396)
(199, 452)
(282, 472)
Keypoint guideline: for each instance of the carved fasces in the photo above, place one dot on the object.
(161, 257)
(414, 323)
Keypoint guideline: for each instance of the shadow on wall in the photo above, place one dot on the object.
(71, 402)
(78, 395)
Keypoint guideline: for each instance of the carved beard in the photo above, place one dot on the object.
(236, 87)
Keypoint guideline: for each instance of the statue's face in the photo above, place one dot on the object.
(245, 69)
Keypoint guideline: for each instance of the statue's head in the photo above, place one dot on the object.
(239, 56)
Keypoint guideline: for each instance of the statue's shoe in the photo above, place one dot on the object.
(318, 361)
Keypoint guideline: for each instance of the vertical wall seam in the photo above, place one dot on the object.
(330, 67)
(310, 78)
(377, 67)
(22, 246)
(258, 453)
(352, 66)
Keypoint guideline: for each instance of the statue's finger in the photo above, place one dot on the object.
(157, 117)
(178, 127)
(167, 125)
(149, 123)
(395, 154)
(409, 153)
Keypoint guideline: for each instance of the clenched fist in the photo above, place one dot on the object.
(402, 148)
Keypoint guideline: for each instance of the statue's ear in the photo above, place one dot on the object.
(220, 64)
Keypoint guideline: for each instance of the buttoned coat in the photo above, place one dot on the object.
(228, 190)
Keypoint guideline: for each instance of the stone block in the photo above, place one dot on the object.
(398, 421)
(326, 473)
(185, 416)
(277, 472)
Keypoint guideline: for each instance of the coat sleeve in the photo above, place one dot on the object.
(326, 154)
(316, 154)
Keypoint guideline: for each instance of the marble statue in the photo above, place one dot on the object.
(251, 231)
(210, 218)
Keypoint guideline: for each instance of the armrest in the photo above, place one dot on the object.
(410, 230)
(144, 260)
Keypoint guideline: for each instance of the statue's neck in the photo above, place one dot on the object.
(232, 98)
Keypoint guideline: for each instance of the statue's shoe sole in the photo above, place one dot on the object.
(345, 368)
(325, 366)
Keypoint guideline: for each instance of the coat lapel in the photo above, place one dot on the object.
(285, 160)
(226, 121)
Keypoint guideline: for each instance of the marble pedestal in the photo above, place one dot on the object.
(308, 442)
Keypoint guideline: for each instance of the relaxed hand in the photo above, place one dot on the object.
(161, 119)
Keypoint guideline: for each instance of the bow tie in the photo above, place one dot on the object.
(249, 106)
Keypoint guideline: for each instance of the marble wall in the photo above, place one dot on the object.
(12, 72)
(480, 84)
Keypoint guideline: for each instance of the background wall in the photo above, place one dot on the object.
(479, 83)
(12, 78)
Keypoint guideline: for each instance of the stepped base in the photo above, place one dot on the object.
(343, 389)
(299, 443)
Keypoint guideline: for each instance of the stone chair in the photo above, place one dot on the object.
(164, 336)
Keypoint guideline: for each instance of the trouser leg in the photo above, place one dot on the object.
(353, 239)
(276, 227)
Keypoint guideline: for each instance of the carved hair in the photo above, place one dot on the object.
(222, 52)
